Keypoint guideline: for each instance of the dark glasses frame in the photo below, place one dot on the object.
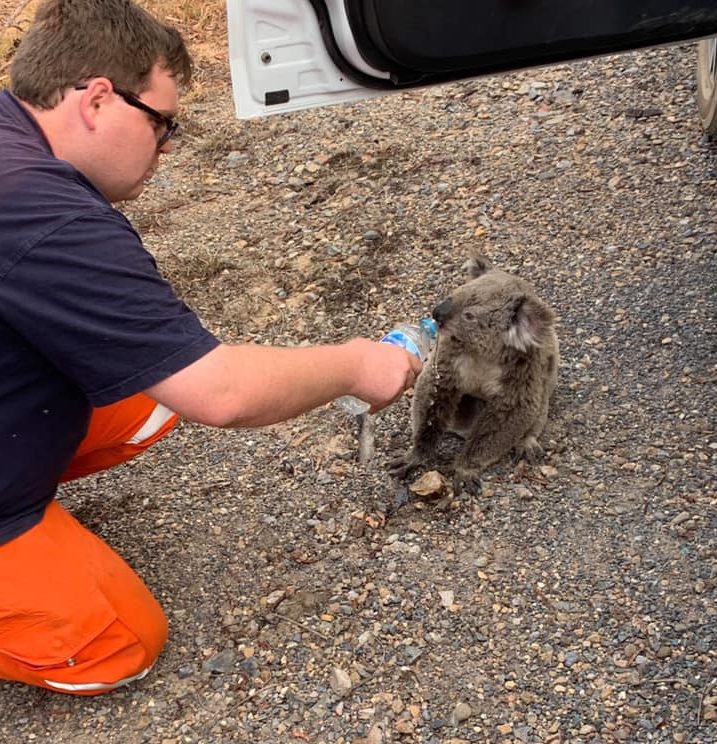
(169, 123)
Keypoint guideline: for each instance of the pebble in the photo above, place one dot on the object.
(221, 663)
(185, 671)
(405, 726)
(340, 682)
(461, 712)
(250, 666)
(236, 158)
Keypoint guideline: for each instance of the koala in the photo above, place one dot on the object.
(489, 377)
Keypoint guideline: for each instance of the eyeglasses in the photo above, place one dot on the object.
(166, 125)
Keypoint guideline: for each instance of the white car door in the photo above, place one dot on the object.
(293, 54)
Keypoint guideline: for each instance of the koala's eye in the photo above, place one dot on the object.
(469, 315)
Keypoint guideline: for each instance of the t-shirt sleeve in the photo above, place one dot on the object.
(89, 297)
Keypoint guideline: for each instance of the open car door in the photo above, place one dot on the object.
(707, 84)
(294, 54)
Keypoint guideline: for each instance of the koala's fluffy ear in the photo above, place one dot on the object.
(530, 323)
(477, 266)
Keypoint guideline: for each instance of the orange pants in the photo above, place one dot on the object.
(74, 617)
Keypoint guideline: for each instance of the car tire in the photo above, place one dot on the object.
(707, 84)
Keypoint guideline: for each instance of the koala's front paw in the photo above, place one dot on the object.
(530, 450)
(403, 466)
(468, 480)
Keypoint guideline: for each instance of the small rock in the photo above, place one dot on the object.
(447, 598)
(405, 726)
(236, 158)
(374, 736)
(412, 653)
(680, 518)
(221, 663)
(461, 712)
(357, 524)
(431, 483)
(340, 682)
(273, 599)
(250, 667)
(524, 493)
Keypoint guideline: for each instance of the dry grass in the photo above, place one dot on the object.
(15, 17)
(202, 23)
(197, 268)
(197, 19)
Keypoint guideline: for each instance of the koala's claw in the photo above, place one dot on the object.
(530, 450)
(468, 481)
(403, 466)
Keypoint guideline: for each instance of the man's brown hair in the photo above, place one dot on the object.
(71, 41)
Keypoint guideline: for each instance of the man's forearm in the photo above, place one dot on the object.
(274, 384)
(251, 385)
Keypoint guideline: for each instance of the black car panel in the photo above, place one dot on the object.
(422, 41)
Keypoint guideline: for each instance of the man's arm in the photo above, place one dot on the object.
(252, 385)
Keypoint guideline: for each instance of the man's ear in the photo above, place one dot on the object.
(97, 94)
(530, 323)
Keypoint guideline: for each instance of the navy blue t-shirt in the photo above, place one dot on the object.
(85, 317)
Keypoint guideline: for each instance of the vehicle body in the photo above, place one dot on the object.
(293, 54)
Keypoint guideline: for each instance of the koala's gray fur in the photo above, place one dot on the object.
(489, 377)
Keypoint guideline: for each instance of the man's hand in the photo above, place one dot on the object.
(383, 373)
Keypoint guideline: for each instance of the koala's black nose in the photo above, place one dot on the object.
(442, 312)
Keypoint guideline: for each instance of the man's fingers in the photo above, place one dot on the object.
(416, 367)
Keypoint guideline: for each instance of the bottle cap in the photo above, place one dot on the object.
(430, 326)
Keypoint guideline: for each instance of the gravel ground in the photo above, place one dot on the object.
(310, 597)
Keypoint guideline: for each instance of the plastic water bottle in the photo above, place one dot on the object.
(416, 338)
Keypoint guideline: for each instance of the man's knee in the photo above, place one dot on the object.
(74, 617)
(118, 656)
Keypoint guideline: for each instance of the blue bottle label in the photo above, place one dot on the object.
(398, 338)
